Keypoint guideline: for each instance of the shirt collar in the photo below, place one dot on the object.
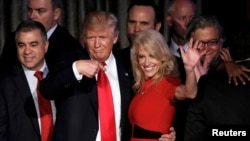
(174, 47)
(49, 33)
(43, 69)
(110, 59)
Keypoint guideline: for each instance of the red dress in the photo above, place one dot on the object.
(154, 109)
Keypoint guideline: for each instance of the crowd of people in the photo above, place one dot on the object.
(185, 88)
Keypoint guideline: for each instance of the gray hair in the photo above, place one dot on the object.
(201, 22)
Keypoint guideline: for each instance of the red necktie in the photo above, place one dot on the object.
(45, 112)
(106, 107)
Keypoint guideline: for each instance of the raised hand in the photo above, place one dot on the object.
(192, 56)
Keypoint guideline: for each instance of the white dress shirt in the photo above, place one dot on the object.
(32, 81)
(111, 72)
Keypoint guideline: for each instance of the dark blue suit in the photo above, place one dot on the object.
(77, 117)
(18, 117)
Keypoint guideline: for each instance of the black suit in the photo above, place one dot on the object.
(181, 106)
(61, 45)
(77, 117)
(125, 53)
(218, 105)
(18, 117)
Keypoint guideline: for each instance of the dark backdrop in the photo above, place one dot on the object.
(233, 14)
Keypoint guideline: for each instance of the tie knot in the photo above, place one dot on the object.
(39, 75)
(103, 63)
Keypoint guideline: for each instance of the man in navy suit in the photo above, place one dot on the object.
(76, 86)
(61, 43)
(19, 106)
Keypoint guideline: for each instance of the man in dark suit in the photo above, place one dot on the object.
(20, 112)
(62, 44)
(219, 107)
(76, 86)
(142, 15)
(179, 14)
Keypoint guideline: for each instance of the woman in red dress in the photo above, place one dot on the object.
(157, 86)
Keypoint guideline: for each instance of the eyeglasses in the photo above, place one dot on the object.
(210, 43)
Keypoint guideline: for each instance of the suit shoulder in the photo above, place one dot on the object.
(63, 35)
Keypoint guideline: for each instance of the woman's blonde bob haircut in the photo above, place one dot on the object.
(155, 44)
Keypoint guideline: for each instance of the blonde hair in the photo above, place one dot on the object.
(154, 43)
(98, 20)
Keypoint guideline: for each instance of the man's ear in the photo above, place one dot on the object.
(116, 36)
(57, 14)
(158, 26)
(169, 20)
(46, 46)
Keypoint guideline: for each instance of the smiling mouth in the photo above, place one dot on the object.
(148, 68)
(28, 58)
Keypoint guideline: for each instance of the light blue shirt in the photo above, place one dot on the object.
(51, 31)
(174, 48)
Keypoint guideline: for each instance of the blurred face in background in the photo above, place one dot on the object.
(183, 11)
(43, 12)
(141, 18)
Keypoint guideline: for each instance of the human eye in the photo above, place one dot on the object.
(212, 43)
(90, 38)
(144, 23)
(41, 10)
(102, 38)
(152, 56)
(140, 57)
(131, 22)
(20, 45)
(34, 44)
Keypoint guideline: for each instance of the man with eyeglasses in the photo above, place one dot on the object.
(210, 43)
(220, 110)
(211, 36)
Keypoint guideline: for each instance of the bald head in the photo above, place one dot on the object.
(180, 12)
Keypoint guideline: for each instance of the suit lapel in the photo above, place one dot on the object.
(125, 83)
(24, 90)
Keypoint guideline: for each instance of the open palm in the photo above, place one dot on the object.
(191, 56)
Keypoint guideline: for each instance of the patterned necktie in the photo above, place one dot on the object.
(106, 107)
(45, 111)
